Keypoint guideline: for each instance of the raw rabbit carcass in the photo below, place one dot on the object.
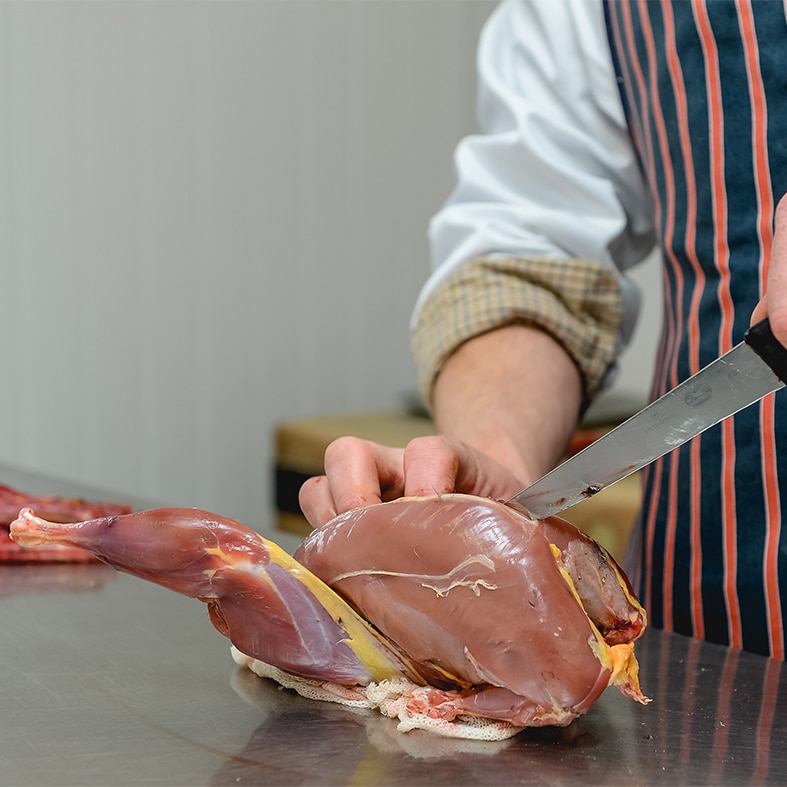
(453, 613)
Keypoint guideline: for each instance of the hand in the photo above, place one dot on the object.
(506, 404)
(360, 473)
(774, 303)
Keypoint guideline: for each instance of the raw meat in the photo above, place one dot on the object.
(452, 613)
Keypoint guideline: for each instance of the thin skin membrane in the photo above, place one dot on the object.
(451, 613)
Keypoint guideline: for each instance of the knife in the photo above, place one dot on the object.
(750, 370)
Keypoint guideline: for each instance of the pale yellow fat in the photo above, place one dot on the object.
(371, 648)
(618, 659)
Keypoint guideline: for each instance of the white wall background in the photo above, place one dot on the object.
(212, 219)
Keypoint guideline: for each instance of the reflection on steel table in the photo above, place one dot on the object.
(714, 721)
(110, 680)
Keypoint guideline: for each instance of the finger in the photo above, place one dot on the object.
(760, 311)
(777, 275)
(440, 464)
(316, 501)
(362, 472)
(431, 465)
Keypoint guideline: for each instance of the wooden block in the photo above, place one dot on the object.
(301, 444)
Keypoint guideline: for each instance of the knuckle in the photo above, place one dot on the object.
(344, 446)
(436, 447)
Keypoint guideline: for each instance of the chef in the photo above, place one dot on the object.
(608, 128)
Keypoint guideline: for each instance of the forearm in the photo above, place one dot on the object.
(512, 393)
(505, 402)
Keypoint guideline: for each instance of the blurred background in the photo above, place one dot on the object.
(212, 220)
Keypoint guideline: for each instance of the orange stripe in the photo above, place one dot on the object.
(650, 531)
(724, 719)
(669, 229)
(765, 232)
(764, 736)
(719, 194)
(634, 118)
(721, 251)
(669, 181)
(679, 92)
(644, 145)
(773, 521)
(689, 694)
(646, 148)
(668, 329)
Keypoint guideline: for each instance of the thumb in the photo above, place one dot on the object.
(774, 303)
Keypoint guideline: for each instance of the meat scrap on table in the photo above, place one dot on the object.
(57, 509)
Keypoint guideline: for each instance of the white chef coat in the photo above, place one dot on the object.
(553, 172)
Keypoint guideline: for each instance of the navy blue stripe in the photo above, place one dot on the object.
(770, 21)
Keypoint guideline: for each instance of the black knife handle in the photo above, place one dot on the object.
(764, 343)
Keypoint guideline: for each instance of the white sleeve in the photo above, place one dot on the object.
(553, 173)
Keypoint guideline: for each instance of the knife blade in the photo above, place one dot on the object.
(744, 375)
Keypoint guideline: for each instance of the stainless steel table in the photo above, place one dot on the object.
(108, 680)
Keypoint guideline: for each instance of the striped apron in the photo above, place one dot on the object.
(704, 87)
